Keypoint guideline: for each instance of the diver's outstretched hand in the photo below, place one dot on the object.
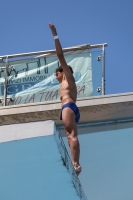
(53, 29)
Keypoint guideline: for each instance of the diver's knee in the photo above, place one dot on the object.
(72, 138)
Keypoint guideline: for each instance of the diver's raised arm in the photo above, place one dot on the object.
(59, 51)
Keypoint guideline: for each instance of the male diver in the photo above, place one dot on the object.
(68, 94)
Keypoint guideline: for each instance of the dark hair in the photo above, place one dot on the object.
(60, 69)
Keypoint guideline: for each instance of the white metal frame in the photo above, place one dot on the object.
(50, 52)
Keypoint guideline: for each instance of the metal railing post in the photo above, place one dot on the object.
(103, 70)
(5, 84)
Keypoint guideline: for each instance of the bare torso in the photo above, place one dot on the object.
(68, 90)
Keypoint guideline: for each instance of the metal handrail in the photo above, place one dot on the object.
(79, 47)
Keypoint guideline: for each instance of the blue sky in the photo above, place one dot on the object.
(24, 28)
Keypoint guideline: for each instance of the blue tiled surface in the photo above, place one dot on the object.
(33, 169)
(107, 160)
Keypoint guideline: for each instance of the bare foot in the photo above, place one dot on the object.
(77, 169)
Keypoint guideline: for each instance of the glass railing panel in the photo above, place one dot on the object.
(33, 80)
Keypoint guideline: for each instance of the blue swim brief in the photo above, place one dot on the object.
(74, 108)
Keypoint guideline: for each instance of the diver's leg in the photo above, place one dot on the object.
(68, 117)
